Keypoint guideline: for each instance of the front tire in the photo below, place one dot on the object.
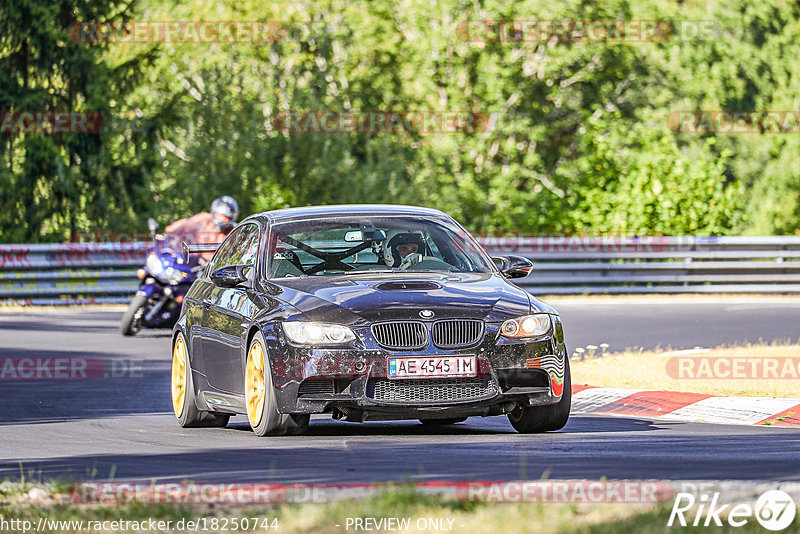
(262, 405)
(536, 419)
(182, 388)
(132, 320)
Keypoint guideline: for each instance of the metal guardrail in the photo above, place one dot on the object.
(71, 273)
(584, 265)
(83, 273)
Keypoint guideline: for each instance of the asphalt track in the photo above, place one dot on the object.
(119, 425)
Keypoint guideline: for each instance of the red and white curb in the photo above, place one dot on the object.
(682, 406)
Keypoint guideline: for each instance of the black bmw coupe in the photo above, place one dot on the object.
(366, 313)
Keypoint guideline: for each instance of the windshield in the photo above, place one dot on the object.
(352, 245)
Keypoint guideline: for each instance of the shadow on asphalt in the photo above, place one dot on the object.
(380, 429)
(463, 452)
(53, 319)
(110, 384)
(167, 333)
(64, 321)
(33, 325)
(498, 425)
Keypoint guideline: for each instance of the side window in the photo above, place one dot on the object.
(246, 249)
(223, 253)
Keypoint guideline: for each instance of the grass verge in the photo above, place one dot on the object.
(423, 513)
(700, 372)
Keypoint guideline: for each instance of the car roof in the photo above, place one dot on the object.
(306, 212)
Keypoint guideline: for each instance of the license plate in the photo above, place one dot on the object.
(433, 367)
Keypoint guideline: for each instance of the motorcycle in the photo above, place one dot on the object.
(165, 279)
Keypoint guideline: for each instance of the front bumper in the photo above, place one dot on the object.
(352, 382)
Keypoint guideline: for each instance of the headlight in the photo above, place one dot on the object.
(526, 326)
(153, 265)
(308, 333)
(172, 276)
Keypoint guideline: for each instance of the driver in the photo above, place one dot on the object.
(401, 246)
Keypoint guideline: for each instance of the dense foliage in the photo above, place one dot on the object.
(581, 138)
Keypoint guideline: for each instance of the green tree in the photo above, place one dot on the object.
(54, 185)
(580, 139)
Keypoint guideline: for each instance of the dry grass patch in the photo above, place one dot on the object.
(669, 371)
(416, 509)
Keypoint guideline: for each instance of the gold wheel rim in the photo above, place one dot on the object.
(178, 376)
(254, 384)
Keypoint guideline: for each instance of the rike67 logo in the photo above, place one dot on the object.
(774, 510)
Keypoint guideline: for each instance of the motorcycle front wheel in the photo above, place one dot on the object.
(132, 320)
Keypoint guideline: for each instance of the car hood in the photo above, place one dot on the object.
(361, 299)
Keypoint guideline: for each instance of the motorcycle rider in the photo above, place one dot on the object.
(206, 227)
(158, 301)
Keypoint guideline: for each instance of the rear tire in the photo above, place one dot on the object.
(132, 320)
(441, 422)
(183, 399)
(536, 419)
(260, 400)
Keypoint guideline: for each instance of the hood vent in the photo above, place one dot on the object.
(411, 285)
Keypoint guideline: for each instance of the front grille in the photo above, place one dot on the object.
(457, 333)
(431, 390)
(401, 335)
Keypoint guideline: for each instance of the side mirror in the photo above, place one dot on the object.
(232, 276)
(513, 266)
(152, 225)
